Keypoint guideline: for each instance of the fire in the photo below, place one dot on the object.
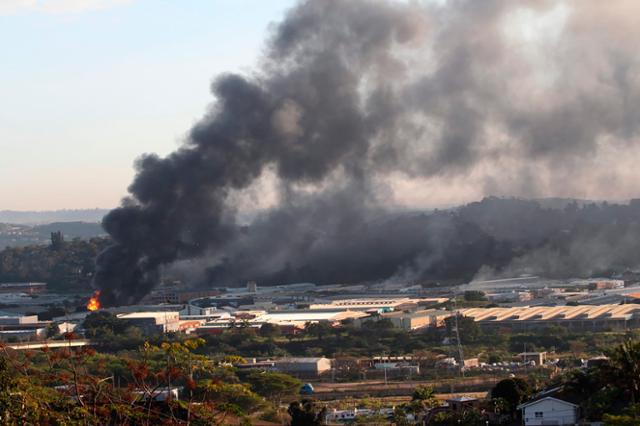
(94, 302)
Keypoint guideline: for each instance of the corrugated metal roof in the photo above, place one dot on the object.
(551, 312)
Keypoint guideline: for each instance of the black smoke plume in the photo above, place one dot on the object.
(353, 97)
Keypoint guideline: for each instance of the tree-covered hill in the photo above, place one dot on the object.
(15, 235)
(66, 266)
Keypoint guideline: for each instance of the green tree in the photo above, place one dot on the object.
(400, 417)
(57, 240)
(623, 369)
(318, 329)
(269, 330)
(474, 296)
(514, 391)
(494, 357)
(467, 328)
(233, 359)
(236, 394)
(425, 394)
(102, 324)
(629, 417)
(305, 413)
(88, 395)
(6, 385)
(52, 330)
(273, 386)
(381, 324)
(423, 398)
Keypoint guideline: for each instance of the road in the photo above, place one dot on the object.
(328, 391)
(49, 344)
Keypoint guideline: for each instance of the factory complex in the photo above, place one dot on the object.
(525, 304)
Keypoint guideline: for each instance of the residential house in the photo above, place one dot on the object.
(549, 411)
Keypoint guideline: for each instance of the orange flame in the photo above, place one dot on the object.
(94, 303)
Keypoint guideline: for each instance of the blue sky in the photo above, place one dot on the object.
(86, 86)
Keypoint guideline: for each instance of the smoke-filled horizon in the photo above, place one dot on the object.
(356, 98)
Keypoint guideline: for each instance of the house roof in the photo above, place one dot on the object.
(527, 404)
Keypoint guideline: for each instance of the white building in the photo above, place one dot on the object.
(153, 322)
(18, 320)
(549, 411)
(375, 303)
(199, 311)
(301, 317)
(66, 327)
(348, 416)
(304, 366)
(509, 296)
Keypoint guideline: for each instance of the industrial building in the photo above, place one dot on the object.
(538, 358)
(299, 367)
(373, 304)
(290, 322)
(28, 288)
(605, 284)
(170, 295)
(410, 320)
(153, 322)
(18, 320)
(303, 367)
(579, 318)
(509, 296)
(301, 317)
(21, 328)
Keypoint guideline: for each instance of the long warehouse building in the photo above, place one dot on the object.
(602, 317)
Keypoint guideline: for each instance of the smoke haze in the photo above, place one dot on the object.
(356, 99)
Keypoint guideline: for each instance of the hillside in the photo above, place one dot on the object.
(69, 267)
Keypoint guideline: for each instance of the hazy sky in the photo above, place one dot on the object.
(86, 86)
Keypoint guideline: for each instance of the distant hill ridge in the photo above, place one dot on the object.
(45, 217)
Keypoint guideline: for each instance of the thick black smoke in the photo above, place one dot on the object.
(354, 95)
(596, 239)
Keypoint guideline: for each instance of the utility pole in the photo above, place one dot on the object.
(460, 353)
(385, 374)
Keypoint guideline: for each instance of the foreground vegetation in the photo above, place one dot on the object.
(85, 387)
